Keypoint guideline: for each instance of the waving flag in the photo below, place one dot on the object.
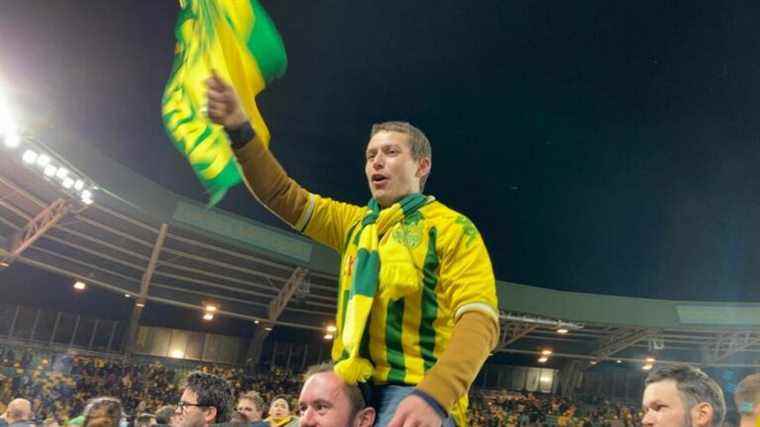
(238, 40)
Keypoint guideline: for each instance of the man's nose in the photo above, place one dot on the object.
(648, 419)
(307, 418)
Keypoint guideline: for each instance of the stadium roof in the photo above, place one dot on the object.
(141, 240)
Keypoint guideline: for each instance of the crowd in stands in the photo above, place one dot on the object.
(60, 385)
(503, 408)
(57, 388)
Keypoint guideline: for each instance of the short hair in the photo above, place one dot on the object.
(281, 397)
(418, 142)
(694, 387)
(354, 393)
(103, 412)
(144, 420)
(164, 414)
(748, 391)
(213, 392)
(255, 398)
(17, 410)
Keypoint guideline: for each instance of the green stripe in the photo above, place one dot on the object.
(429, 309)
(344, 304)
(412, 202)
(348, 236)
(266, 46)
(394, 324)
(365, 276)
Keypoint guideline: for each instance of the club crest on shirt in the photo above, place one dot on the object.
(468, 229)
(410, 232)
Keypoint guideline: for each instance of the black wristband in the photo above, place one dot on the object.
(432, 402)
(241, 136)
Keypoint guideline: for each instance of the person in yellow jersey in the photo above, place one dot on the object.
(417, 309)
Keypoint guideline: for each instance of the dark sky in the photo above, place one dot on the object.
(607, 147)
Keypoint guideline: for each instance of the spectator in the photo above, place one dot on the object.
(682, 396)
(206, 399)
(103, 412)
(50, 422)
(19, 411)
(279, 413)
(251, 405)
(164, 414)
(145, 420)
(327, 401)
(747, 398)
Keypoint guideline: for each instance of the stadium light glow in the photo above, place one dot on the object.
(650, 360)
(208, 316)
(546, 352)
(210, 308)
(79, 185)
(543, 359)
(50, 171)
(29, 157)
(256, 322)
(331, 328)
(80, 285)
(62, 173)
(593, 362)
(177, 354)
(8, 130)
(127, 296)
(67, 183)
(562, 331)
(140, 304)
(647, 367)
(87, 197)
(11, 138)
(328, 336)
(618, 361)
(267, 328)
(43, 160)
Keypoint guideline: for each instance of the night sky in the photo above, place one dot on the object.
(606, 147)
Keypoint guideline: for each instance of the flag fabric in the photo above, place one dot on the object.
(238, 40)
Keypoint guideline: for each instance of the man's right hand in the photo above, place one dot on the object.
(223, 104)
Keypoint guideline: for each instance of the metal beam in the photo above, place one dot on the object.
(621, 340)
(144, 286)
(515, 331)
(286, 293)
(36, 227)
(276, 307)
(726, 345)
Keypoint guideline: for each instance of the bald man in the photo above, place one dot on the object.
(19, 410)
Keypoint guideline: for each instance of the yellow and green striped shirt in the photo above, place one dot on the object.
(408, 335)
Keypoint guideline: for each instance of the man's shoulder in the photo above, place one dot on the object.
(436, 211)
(452, 225)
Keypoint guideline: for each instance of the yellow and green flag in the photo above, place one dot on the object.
(238, 40)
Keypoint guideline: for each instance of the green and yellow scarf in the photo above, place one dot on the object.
(364, 279)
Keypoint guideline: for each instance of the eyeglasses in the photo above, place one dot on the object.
(181, 405)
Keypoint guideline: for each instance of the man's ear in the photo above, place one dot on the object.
(423, 167)
(365, 417)
(211, 415)
(702, 414)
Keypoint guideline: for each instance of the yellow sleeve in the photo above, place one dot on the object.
(467, 277)
(329, 222)
(322, 219)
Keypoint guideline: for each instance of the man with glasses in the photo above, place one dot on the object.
(206, 399)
